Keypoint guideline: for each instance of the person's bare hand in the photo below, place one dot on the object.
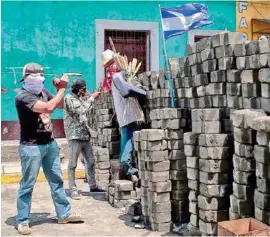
(65, 78)
(61, 83)
(96, 94)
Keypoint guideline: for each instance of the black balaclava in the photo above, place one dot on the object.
(77, 85)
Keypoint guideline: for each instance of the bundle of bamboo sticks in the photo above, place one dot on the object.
(131, 68)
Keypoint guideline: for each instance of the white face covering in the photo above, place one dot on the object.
(34, 83)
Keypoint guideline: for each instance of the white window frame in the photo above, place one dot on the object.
(153, 49)
(193, 33)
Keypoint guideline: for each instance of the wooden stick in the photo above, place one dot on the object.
(112, 45)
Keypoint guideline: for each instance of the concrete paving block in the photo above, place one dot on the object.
(265, 90)
(178, 165)
(158, 197)
(207, 54)
(193, 196)
(193, 208)
(233, 89)
(174, 134)
(219, 101)
(217, 40)
(154, 145)
(213, 203)
(262, 215)
(252, 48)
(196, 69)
(250, 90)
(194, 185)
(179, 195)
(209, 66)
(262, 154)
(215, 89)
(239, 50)
(201, 91)
(192, 162)
(190, 138)
(191, 150)
(194, 221)
(241, 206)
(242, 191)
(178, 175)
(212, 140)
(211, 127)
(224, 51)
(263, 185)
(205, 102)
(263, 138)
(226, 63)
(241, 63)
(192, 174)
(154, 78)
(216, 153)
(245, 178)
(156, 156)
(183, 61)
(175, 144)
(200, 80)
(264, 46)
(160, 207)
(256, 61)
(234, 102)
(152, 134)
(160, 217)
(264, 75)
(163, 227)
(158, 166)
(160, 186)
(214, 216)
(215, 190)
(160, 176)
(243, 164)
(233, 38)
(192, 59)
(179, 185)
(249, 76)
(207, 228)
(214, 178)
(246, 136)
(218, 76)
(214, 166)
(261, 123)
(191, 48)
(262, 200)
(262, 170)
(233, 75)
(177, 155)
(203, 44)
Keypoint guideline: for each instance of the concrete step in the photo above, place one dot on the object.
(11, 172)
(10, 150)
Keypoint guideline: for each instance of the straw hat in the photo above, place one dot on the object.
(107, 57)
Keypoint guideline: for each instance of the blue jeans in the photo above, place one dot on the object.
(127, 148)
(32, 158)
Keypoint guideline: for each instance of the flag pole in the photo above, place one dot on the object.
(167, 70)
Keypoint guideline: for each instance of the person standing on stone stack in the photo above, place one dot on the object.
(126, 90)
(38, 148)
(76, 106)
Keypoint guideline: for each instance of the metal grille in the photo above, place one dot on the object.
(197, 38)
(130, 43)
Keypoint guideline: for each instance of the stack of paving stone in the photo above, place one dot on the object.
(102, 166)
(262, 157)
(264, 77)
(158, 93)
(241, 201)
(120, 192)
(213, 174)
(153, 154)
(192, 163)
(173, 121)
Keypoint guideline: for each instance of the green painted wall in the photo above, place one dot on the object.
(61, 35)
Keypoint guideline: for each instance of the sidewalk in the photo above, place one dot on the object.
(100, 218)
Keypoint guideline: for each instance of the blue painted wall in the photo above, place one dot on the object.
(61, 35)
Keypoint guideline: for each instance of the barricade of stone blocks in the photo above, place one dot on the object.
(154, 171)
(102, 166)
(264, 78)
(262, 158)
(242, 199)
(191, 150)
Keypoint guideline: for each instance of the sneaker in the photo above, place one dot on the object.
(73, 218)
(75, 195)
(24, 229)
(97, 190)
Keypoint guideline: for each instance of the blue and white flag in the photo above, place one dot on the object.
(180, 19)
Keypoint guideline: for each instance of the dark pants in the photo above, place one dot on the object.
(75, 148)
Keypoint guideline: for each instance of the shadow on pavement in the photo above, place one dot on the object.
(35, 219)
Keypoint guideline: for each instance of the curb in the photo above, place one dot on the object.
(16, 177)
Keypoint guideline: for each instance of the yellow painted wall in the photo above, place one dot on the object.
(247, 10)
